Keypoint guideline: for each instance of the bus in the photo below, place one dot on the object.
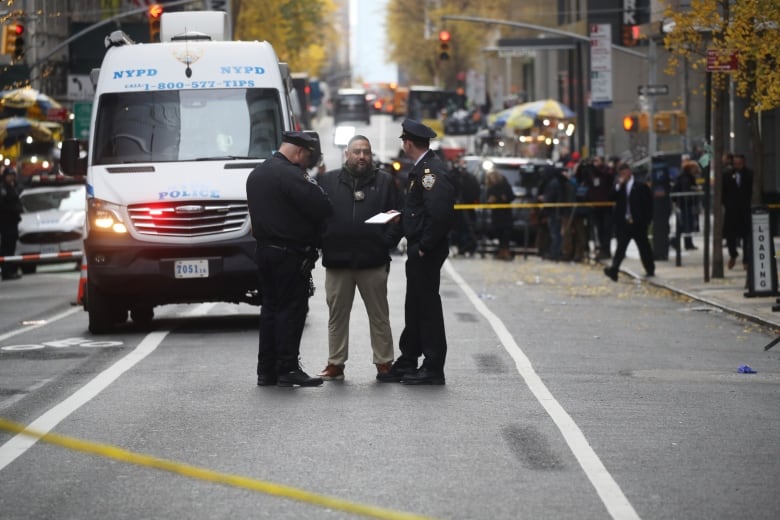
(429, 105)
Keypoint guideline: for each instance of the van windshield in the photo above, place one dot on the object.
(187, 125)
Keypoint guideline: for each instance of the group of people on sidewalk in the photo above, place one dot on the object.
(294, 215)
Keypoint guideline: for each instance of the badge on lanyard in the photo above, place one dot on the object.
(359, 195)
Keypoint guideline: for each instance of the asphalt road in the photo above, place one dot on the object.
(567, 396)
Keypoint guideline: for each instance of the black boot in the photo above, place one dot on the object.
(689, 244)
(297, 377)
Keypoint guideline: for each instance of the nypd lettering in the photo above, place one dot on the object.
(231, 76)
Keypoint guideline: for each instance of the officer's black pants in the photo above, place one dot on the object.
(285, 303)
(424, 330)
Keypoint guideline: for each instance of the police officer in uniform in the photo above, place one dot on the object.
(287, 209)
(427, 217)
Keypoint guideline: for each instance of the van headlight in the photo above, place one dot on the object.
(105, 217)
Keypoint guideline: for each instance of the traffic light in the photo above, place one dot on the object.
(630, 35)
(444, 45)
(13, 40)
(670, 122)
(636, 122)
(662, 122)
(154, 14)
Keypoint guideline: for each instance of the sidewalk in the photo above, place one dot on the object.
(727, 293)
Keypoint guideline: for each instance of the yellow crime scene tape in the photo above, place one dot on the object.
(195, 472)
(506, 205)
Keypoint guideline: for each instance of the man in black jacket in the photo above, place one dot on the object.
(632, 217)
(356, 254)
(736, 198)
(427, 218)
(287, 209)
(10, 215)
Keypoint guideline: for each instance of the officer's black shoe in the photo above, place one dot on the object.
(612, 273)
(423, 377)
(266, 380)
(396, 373)
(297, 377)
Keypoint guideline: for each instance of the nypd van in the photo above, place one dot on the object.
(176, 128)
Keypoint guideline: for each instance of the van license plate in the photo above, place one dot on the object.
(191, 269)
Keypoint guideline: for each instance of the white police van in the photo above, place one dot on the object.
(176, 128)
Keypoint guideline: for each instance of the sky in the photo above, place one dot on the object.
(367, 23)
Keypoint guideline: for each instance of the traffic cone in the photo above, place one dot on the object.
(82, 282)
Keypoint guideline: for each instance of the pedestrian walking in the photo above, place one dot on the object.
(357, 255)
(287, 210)
(427, 216)
(10, 215)
(736, 198)
(632, 217)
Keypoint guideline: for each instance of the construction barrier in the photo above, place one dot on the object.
(37, 257)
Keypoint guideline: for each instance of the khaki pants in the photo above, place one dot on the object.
(340, 287)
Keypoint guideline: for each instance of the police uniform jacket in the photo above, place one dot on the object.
(286, 206)
(429, 211)
(348, 242)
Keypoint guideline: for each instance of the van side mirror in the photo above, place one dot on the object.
(71, 160)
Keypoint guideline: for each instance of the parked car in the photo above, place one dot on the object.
(52, 222)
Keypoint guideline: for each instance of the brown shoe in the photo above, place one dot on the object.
(383, 368)
(332, 372)
(732, 261)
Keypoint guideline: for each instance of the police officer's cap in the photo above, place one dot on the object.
(415, 131)
(301, 139)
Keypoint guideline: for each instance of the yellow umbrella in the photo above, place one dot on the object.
(17, 127)
(512, 118)
(547, 108)
(28, 102)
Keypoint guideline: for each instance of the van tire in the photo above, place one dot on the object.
(102, 314)
(29, 268)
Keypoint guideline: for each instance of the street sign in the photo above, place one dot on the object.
(722, 60)
(82, 112)
(600, 65)
(653, 90)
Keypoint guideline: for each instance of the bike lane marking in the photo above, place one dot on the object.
(26, 328)
(608, 490)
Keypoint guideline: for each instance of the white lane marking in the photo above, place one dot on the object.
(608, 490)
(19, 444)
(38, 325)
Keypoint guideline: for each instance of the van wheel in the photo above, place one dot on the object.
(29, 268)
(142, 315)
(103, 314)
